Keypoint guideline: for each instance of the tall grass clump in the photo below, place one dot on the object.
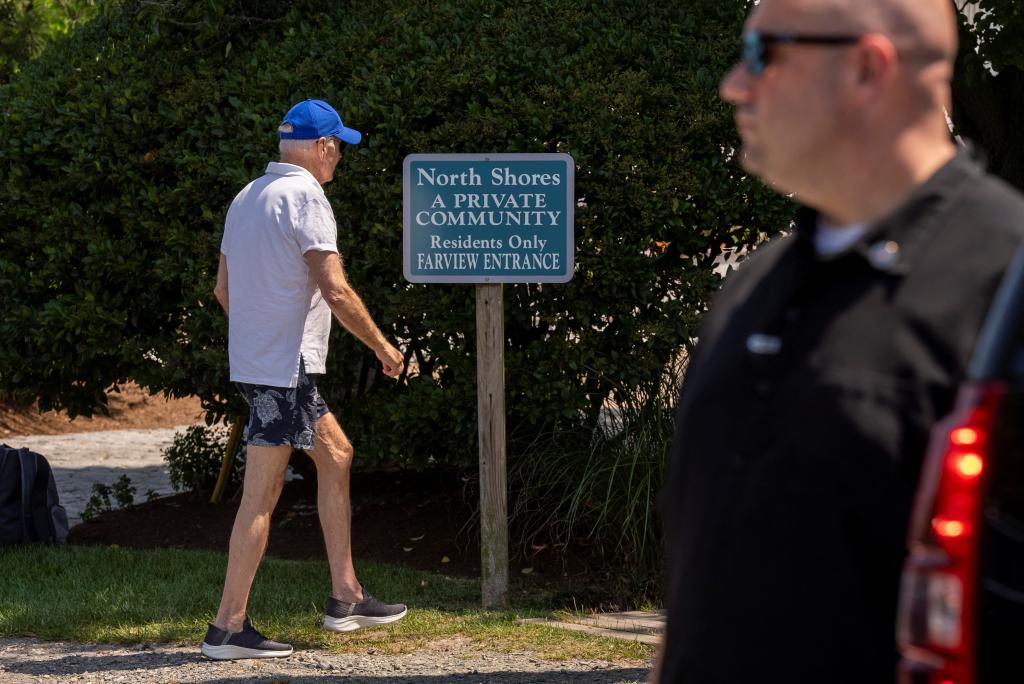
(598, 484)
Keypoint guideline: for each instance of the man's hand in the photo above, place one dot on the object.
(392, 360)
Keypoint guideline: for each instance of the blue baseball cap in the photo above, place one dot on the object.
(312, 119)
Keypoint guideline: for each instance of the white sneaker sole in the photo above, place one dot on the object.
(229, 652)
(354, 622)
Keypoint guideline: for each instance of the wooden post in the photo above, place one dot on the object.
(490, 392)
(234, 437)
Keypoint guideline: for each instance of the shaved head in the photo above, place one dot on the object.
(870, 102)
(920, 29)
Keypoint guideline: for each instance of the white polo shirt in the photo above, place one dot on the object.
(275, 310)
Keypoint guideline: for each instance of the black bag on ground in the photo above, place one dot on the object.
(30, 510)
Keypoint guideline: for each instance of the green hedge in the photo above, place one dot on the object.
(124, 145)
(28, 26)
(988, 87)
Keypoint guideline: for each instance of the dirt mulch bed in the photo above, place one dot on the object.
(422, 520)
(131, 407)
(383, 525)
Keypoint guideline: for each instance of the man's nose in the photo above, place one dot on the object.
(735, 86)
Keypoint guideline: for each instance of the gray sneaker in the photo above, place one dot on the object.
(346, 617)
(221, 645)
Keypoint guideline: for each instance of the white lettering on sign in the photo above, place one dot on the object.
(449, 218)
(432, 177)
(498, 261)
(492, 200)
(464, 242)
(447, 261)
(488, 218)
(504, 176)
(519, 242)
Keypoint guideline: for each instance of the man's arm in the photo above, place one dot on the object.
(350, 310)
(220, 290)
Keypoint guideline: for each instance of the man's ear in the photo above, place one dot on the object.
(876, 64)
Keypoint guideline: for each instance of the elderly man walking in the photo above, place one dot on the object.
(826, 358)
(280, 279)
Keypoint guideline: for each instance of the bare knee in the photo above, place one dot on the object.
(337, 454)
(333, 451)
(262, 497)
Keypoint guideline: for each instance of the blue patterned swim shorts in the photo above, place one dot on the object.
(283, 416)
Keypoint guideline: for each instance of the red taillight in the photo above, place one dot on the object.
(938, 599)
(948, 529)
(964, 436)
(968, 465)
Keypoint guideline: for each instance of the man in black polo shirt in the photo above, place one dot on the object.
(824, 361)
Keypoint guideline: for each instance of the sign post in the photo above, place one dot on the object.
(490, 402)
(489, 219)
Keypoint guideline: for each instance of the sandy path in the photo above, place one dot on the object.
(82, 459)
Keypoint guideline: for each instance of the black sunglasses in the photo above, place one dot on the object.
(756, 46)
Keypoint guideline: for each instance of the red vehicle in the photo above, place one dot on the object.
(961, 615)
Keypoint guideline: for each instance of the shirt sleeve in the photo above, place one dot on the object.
(315, 228)
(224, 236)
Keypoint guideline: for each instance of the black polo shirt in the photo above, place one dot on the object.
(801, 428)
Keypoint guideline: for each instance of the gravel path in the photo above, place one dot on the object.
(452, 660)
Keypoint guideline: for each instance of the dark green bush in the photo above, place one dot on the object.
(599, 484)
(27, 26)
(194, 459)
(122, 491)
(124, 145)
(988, 87)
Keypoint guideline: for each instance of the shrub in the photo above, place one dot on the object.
(988, 86)
(124, 145)
(599, 484)
(26, 26)
(122, 491)
(194, 459)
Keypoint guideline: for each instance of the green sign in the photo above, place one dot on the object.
(488, 218)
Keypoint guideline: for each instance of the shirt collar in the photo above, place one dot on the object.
(888, 244)
(293, 170)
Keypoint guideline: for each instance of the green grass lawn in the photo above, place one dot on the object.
(98, 594)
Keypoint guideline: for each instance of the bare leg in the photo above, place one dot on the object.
(264, 478)
(332, 453)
